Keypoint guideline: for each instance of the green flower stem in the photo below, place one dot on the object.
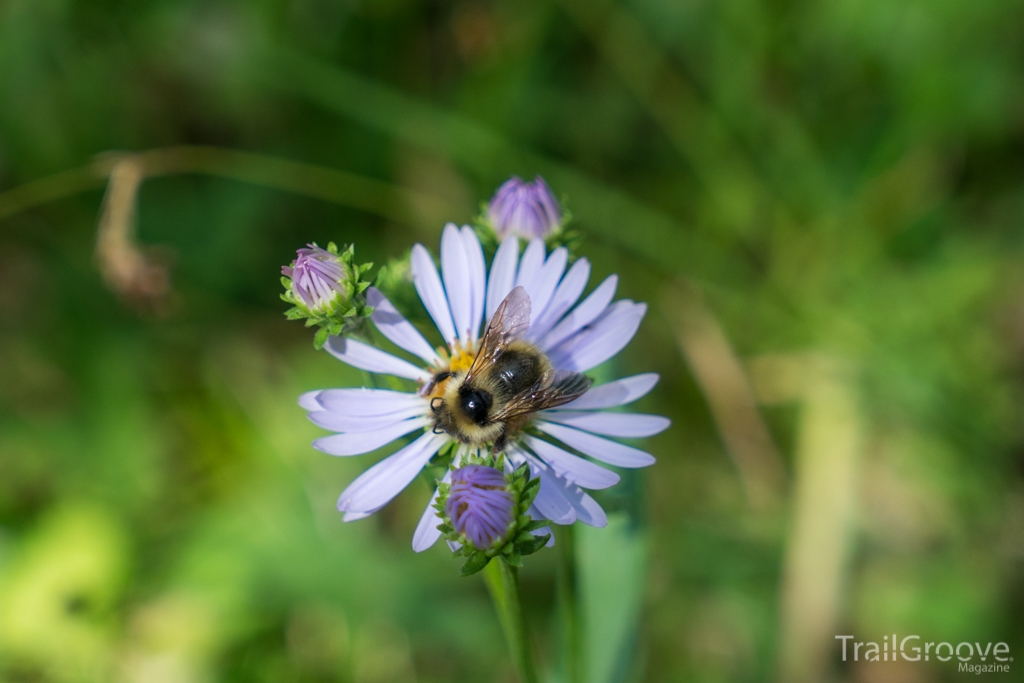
(568, 602)
(503, 584)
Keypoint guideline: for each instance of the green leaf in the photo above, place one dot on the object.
(613, 570)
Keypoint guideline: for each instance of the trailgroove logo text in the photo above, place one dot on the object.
(972, 657)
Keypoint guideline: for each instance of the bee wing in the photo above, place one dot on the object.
(509, 323)
(549, 392)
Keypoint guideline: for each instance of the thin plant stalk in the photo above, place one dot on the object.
(328, 184)
(503, 584)
(568, 603)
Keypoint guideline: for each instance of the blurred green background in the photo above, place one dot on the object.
(821, 201)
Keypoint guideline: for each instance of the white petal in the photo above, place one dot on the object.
(342, 422)
(375, 487)
(587, 509)
(535, 513)
(572, 467)
(426, 533)
(363, 401)
(357, 443)
(395, 327)
(503, 273)
(477, 278)
(455, 270)
(617, 393)
(308, 400)
(353, 516)
(584, 314)
(530, 265)
(365, 357)
(568, 293)
(428, 285)
(550, 501)
(598, 448)
(602, 340)
(541, 289)
(584, 508)
(628, 425)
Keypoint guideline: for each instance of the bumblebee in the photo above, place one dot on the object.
(509, 379)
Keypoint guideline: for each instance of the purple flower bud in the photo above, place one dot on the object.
(316, 278)
(525, 209)
(479, 506)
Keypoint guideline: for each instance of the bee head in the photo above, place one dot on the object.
(475, 403)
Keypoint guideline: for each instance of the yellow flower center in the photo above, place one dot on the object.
(456, 361)
(462, 358)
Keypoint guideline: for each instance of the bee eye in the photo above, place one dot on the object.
(435, 403)
(475, 404)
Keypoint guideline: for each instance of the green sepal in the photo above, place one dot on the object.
(321, 338)
(534, 524)
(571, 239)
(529, 547)
(521, 472)
(530, 492)
(477, 561)
(514, 557)
(523, 536)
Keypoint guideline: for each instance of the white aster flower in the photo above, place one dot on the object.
(576, 335)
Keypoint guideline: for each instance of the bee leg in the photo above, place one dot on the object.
(500, 443)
